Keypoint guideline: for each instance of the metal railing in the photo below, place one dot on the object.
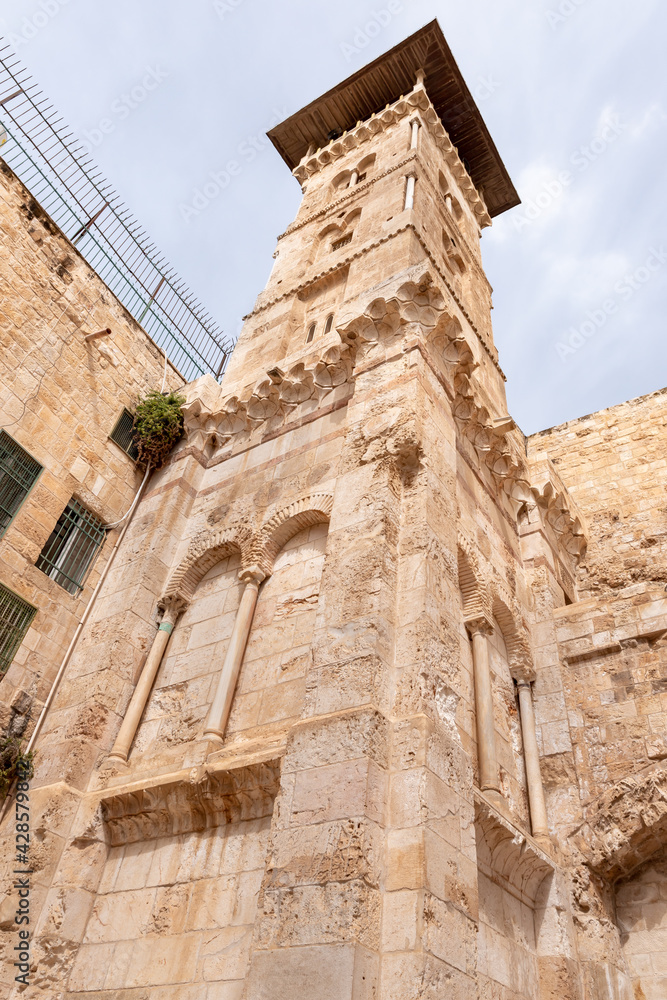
(61, 176)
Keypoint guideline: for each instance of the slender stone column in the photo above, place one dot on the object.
(354, 177)
(538, 809)
(229, 675)
(414, 140)
(489, 779)
(410, 191)
(135, 710)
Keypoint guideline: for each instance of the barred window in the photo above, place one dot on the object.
(72, 546)
(18, 471)
(122, 433)
(16, 616)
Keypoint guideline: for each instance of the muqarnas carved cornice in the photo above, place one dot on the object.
(416, 101)
(272, 400)
(189, 802)
(557, 507)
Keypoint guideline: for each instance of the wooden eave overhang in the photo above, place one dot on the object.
(382, 82)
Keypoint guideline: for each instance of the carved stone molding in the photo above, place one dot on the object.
(314, 508)
(471, 582)
(205, 550)
(405, 107)
(557, 508)
(484, 600)
(505, 853)
(258, 549)
(184, 803)
(515, 633)
(627, 825)
(271, 401)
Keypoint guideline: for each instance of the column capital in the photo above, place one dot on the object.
(172, 606)
(523, 674)
(480, 624)
(252, 574)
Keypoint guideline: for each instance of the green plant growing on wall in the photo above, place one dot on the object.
(158, 425)
(13, 763)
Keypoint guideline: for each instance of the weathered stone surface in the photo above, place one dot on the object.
(346, 510)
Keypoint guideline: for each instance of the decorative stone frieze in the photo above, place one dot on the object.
(271, 401)
(405, 107)
(204, 551)
(187, 802)
(557, 507)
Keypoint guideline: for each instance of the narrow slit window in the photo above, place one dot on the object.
(311, 333)
(18, 472)
(122, 434)
(328, 324)
(16, 617)
(72, 546)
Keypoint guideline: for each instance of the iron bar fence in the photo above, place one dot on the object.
(62, 177)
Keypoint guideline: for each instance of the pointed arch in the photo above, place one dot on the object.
(288, 522)
(204, 552)
(515, 633)
(471, 584)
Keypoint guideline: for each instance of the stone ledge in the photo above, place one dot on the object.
(191, 800)
(509, 854)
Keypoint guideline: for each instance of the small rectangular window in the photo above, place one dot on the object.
(72, 546)
(122, 434)
(16, 616)
(342, 242)
(18, 472)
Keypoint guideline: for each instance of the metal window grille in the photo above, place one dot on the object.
(72, 546)
(122, 433)
(16, 616)
(18, 471)
(342, 242)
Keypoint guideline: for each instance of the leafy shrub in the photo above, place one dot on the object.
(158, 425)
(13, 763)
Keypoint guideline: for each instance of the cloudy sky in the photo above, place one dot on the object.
(573, 92)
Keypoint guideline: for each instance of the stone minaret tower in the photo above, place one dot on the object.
(289, 752)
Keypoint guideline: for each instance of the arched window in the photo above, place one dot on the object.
(328, 324)
(311, 333)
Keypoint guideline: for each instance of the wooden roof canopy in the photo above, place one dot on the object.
(383, 81)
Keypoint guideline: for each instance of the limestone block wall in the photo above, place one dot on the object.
(60, 397)
(613, 462)
(615, 669)
(174, 912)
(641, 908)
